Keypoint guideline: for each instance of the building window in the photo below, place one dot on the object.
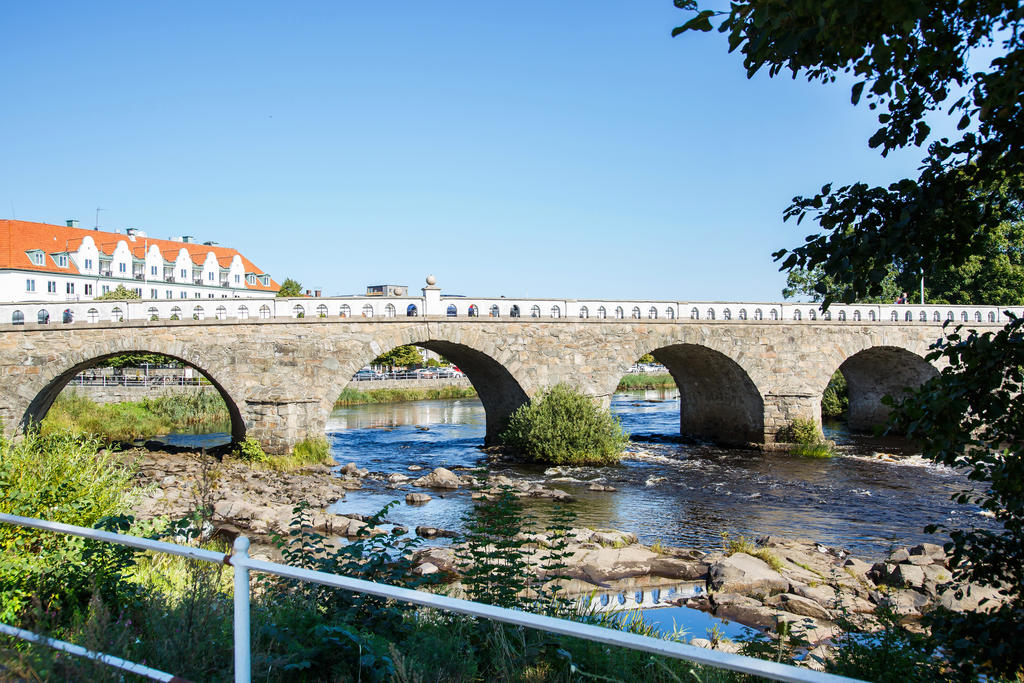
(88, 289)
(69, 316)
(153, 294)
(251, 279)
(37, 258)
(94, 315)
(344, 311)
(473, 311)
(619, 314)
(243, 312)
(367, 311)
(69, 287)
(43, 317)
(17, 318)
(238, 279)
(264, 312)
(584, 312)
(122, 267)
(556, 312)
(389, 310)
(209, 276)
(51, 286)
(88, 264)
(30, 285)
(197, 295)
(602, 312)
(168, 294)
(116, 316)
(222, 313)
(62, 260)
(182, 294)
(452, 311)
(652, 313)
(535, 311)
(106, 289)
(210, 296)
(495, 311)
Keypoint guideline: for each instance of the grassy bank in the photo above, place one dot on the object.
(351, 397)
(194, 411)
(645, 381)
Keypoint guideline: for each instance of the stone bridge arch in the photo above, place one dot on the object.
(878, 370)
(491, 368)
(719, 396)
(37, 396)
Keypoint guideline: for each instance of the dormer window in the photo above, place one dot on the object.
(251, 279)
(37, 257)
(265, 280)
(62, 260)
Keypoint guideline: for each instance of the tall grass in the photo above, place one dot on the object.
(351, 396)
(645, 381)
(127, 421)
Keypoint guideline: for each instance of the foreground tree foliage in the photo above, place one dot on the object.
(913, 63)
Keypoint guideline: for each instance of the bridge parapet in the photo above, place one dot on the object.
(40, 313)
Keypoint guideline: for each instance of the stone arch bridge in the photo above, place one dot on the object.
(740, 380)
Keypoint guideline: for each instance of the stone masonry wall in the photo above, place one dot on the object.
(281, 377)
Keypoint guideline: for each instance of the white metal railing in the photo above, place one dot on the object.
(40, 314)
(242, 563)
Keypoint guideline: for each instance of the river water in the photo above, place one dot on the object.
(871, 497)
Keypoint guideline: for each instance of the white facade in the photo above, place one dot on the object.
(72, 265)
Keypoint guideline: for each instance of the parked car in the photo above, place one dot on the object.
(366, 374)
(424, 373)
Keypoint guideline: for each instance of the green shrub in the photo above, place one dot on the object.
(563, 427)
(251, 451)
(835, 401)
(807, 439)
(60, 477)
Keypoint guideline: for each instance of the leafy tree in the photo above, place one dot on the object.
(992, 275)
(119, 292)
(399, 357)
(912, 62)
(136, 360)
(646, 358)
(290, 287)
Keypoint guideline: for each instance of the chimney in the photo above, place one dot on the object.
(187, 239)
(317, 293)
(307, 292)
(72, 223)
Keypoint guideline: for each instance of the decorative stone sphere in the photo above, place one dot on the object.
(431, 280)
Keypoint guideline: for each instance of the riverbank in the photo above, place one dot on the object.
(351, 396)
(640, 380)
(194, 412)
(759, 584)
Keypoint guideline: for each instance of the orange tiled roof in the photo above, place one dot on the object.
(19, 237)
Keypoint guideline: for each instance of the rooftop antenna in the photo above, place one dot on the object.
(97, 225)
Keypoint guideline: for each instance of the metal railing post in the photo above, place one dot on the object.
(242, 629)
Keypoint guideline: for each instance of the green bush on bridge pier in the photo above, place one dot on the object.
(561, 426)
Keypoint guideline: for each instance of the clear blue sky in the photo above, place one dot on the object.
(534, 148)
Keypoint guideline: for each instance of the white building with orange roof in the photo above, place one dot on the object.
(43, 262)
